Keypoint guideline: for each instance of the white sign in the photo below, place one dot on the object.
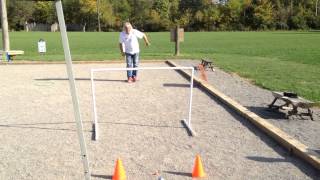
(42, 46)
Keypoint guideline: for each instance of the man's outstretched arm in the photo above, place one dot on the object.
(146, 40)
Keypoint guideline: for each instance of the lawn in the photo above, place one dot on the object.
(274, 60)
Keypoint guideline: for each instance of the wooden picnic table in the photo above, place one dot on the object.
(207, 64)
(11, 54)
(294, 102)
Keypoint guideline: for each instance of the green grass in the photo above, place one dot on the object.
(274, 60)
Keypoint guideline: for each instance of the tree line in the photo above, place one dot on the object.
(162, 15)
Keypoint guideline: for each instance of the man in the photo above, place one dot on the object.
(129, 47)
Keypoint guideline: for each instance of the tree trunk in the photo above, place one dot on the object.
(98, 12)
(317, 7)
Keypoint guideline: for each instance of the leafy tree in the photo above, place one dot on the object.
(106, 14)
(122, 12)
(161, 15)
(44, 12)
(263, 15)
(232, 13)
(298, 21)
(19, 13)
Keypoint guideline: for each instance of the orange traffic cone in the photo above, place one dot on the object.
(198, 171)
(119, 172)
(203, 74)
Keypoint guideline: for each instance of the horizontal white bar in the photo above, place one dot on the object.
(140, 68)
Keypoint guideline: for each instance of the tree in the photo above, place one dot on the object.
(106, 14)
(44, 12)
(19, 13)
(232, 13)
(263, 15)
(159, 16)
(122, 12)
(140, 12)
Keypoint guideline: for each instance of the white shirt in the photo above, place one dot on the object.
(130, 42)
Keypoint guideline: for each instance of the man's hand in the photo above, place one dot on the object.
(146, 40)
(121, 49)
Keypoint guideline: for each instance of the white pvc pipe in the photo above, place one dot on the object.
(95, 123)
(73, 89)
(139, 68)
(190, 100)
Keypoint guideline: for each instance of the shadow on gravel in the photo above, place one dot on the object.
(313, 151)
(176, 85)
(187, 129)
(36, 126)
(141, 125)
(101, 176)
(79, 79)
(317, 151)
(267, 113)
(267, 159)
(178, 173)
(300, 164)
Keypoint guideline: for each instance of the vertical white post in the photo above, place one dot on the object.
(73, 89)
(95, 117)
(190, 99)
(5, 28)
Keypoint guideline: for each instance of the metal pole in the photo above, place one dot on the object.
(73, 89)
(95, 117)
(5, 28)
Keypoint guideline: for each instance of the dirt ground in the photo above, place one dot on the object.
(139, 122)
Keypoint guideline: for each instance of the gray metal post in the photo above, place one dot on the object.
(5, 28)
(73, 89)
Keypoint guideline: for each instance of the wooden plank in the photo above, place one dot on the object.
(292, 145)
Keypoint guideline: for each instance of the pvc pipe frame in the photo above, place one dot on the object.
(73, 89)
(95, 117)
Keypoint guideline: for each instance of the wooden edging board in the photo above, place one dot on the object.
(294, 146)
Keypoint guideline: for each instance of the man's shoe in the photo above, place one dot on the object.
(130, 80)
(134, 78)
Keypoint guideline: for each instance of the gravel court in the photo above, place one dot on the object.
(40, 141)
(257, 99)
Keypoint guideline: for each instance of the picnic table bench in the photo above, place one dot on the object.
(295, 102)
(10, 55)
(207, 64)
